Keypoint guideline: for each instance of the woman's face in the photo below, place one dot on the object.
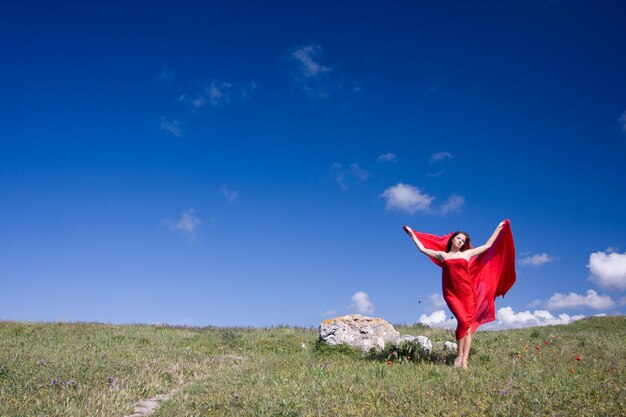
(458, 241)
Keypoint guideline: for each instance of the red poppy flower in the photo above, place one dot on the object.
(389, 362)
(394, 353)
(545, 342)
(579, 358)
(571, 370)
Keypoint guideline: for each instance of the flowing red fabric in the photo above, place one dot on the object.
(470, 288)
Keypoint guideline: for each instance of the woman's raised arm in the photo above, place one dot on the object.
(486, 246)
(433, 253)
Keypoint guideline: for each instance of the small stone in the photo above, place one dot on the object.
(421, 344)
(450, 346)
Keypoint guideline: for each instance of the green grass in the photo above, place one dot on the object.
(75, 369)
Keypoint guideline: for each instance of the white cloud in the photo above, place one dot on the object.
(361, 303)
(309, 73)
(187, 224)
(436, 174)
(436, 301)
(171, 126)
(410, 199)
(231, 195)
(308, 59)
(199, 101)
(573, 300)
(218, 94)
(506, 318)
(622, 122)
(439, 156)
(536, 260)
(358, 173)
(354, 174)
(388, 157)
(407, 198)
(438, 318)
(452, 204)
(608, 270)
(328, 313)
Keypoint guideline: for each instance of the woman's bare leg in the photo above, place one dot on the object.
(460, 344)
(466, 347)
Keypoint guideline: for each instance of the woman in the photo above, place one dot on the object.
(471, 277)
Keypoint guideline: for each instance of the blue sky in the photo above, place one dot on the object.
(222, 164)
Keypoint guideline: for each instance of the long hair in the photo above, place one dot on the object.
(465, 247)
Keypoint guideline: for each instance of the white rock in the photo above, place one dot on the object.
(449, 346)
(421, 343)
(361, 332)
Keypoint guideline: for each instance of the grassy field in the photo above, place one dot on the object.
(75, 369)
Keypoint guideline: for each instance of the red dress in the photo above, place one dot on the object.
(470, 288)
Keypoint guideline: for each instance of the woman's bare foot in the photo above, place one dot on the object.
(465, 365)
(458, 362)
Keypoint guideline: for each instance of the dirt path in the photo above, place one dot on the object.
(145, 408)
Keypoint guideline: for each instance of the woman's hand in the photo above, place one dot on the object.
(408, 230)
